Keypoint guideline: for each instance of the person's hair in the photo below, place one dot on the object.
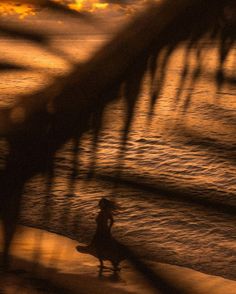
(107, 203)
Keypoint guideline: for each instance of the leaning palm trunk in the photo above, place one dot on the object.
(38, 125)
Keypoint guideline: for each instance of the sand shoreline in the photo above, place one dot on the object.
(45, 262)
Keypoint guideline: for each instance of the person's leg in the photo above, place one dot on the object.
(101, 263)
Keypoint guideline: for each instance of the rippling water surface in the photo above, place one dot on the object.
(177, 181)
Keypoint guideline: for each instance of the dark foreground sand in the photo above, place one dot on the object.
(44, 262)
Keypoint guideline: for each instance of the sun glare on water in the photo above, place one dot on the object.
(23, 10)
(88, 5)
(16, 8)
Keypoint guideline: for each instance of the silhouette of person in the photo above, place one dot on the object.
(106, 247)
(104, 221)
(103, 244)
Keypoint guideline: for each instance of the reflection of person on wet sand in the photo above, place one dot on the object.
(103, 245)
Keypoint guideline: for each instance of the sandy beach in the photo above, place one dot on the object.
(44, 262)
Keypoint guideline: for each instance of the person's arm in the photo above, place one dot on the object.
(111, 221)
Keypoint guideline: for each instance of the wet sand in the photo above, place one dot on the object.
(44, 262)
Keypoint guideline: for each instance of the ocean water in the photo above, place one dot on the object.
(177, 187)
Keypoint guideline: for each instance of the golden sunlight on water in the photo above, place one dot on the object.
(14, 7)
(88, 5)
